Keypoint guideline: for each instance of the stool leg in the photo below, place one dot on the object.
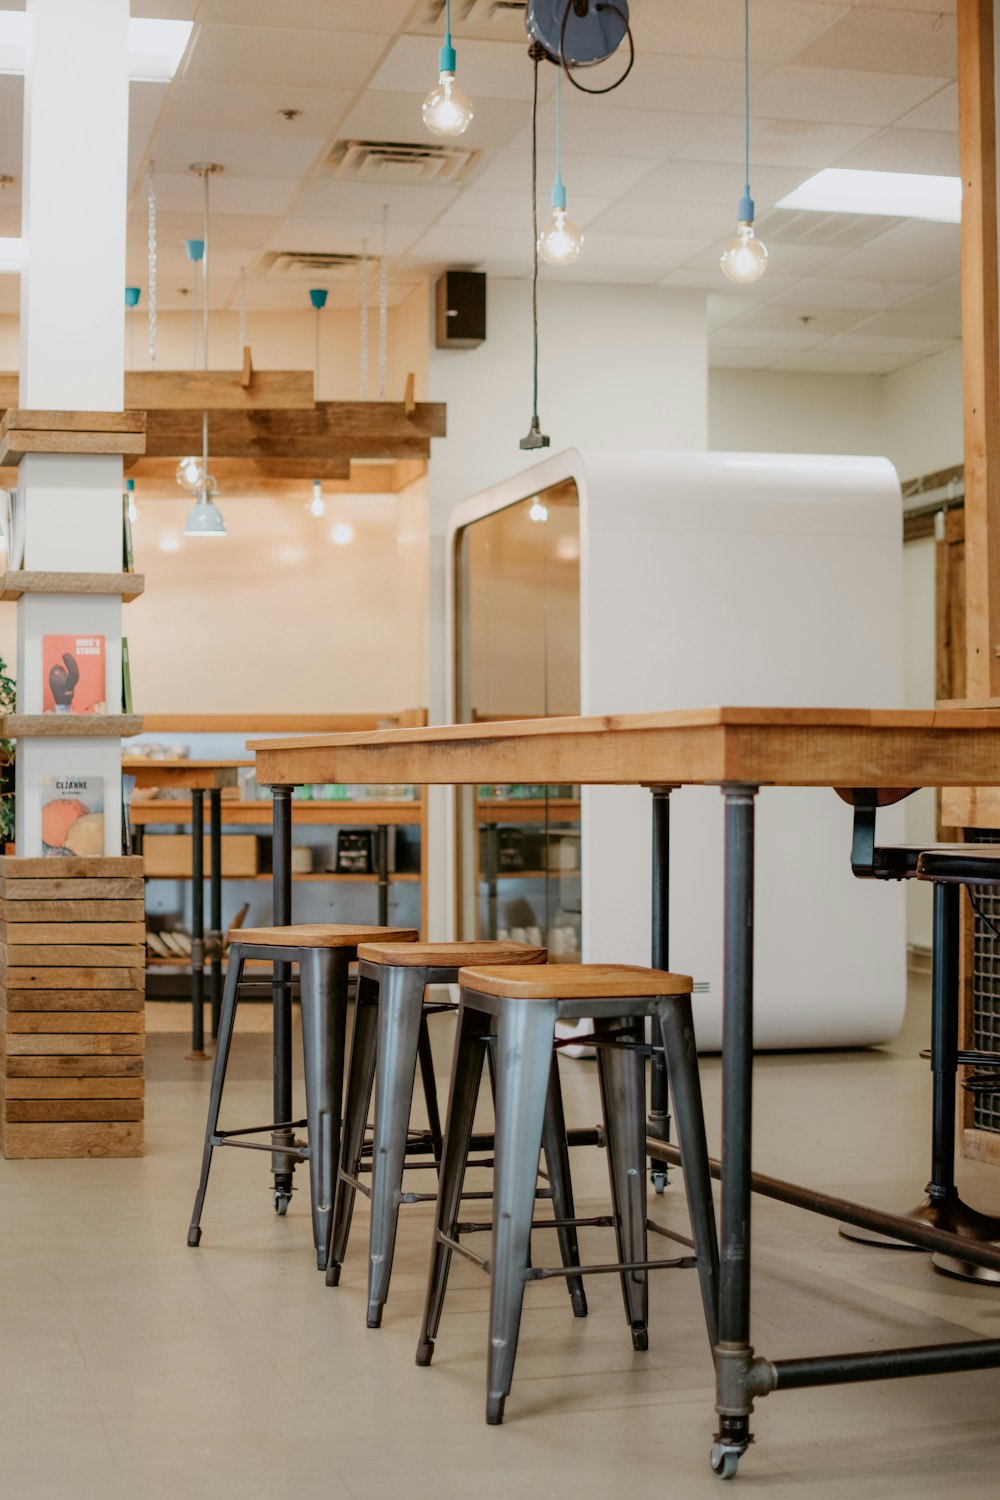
(523, 1062)
(622, 1075)
(227, 1018)
(323, 983)
(429, 1085)
(944, 1039)
(466, 1076)
(681, 1052)
(561, 1184)
(400, 1013)
(361, 1076)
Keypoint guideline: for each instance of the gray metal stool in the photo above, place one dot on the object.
(390, 1039)
(523, 1006)
(323, 954)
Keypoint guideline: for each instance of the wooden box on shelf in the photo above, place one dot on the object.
(168, 855)
(72, 1024)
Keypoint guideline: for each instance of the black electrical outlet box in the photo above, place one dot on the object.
(461, 310)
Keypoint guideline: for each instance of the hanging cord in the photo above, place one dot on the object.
(535, 437)
(151, 206)
(363, 382)
(204, 274)
(383, 303)
(565, 66)
(746, 98)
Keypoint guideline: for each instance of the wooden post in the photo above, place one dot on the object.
(980, 344)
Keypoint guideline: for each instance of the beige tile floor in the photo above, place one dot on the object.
(133, 1367)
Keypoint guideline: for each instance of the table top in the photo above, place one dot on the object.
(195, 775)
(776, 746)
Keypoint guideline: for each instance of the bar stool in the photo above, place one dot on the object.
(323, 954)
(523, 1005)
(389, 1039)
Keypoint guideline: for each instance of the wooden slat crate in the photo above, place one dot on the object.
(72, 998)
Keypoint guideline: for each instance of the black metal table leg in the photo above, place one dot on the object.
(733, 1353)
(382, 872)
(658, 1121)
(282, 1163)
(197, 1053)
(215, 903)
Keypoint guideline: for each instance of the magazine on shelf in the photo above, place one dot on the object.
(126, 679)
(128, 560)
(73, 815)
(73, 674)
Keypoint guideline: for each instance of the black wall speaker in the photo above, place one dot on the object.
(461, 309)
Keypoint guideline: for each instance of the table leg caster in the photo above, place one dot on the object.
(640, 1340)
(659, 1182)
(281, 1201)
(725, 1460)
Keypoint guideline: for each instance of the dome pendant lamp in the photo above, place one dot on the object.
(560, 242)
(447, 110)
(744, 259)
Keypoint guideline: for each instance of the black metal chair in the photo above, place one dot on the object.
(949, 867)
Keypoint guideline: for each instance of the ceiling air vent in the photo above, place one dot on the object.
(399, 163)
(495, 19)
(792, 226)
(306, 263)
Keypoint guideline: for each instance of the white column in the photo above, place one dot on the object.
(72, 359)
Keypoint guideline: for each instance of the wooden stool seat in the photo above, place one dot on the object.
(319, 935)
(449, 955)
(574, 982)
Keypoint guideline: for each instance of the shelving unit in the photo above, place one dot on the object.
(127, 586)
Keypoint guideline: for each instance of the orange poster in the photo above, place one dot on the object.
(73, 674)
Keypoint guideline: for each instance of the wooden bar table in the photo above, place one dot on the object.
(198, 777)
(739, 750)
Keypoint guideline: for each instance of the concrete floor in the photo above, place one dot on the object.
(131, 1366)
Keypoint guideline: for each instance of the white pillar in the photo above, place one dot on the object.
(72, 359)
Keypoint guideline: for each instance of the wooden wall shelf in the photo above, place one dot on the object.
(96, 432)
(127, 586)
(69, 726)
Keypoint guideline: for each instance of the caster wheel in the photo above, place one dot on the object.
(659, 1181)
(281, 1202)
(725, 1461)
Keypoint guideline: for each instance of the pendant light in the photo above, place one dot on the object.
(744, 259)
(132, 294)
(204, 518)
(317, 505)
(447, 110)
(560, 242)
(317, 298)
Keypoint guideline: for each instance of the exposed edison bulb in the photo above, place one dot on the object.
(447, 110)
(744, 258)
(317, 505)
(189, 472)
(560, 242)
(539, 511)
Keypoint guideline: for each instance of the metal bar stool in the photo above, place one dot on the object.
(390, 1038)
(523, 1006)
(323, 954)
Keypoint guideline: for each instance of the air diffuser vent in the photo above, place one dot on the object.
(306, 263)
(496, 19)
(399, 163)
(792, 226)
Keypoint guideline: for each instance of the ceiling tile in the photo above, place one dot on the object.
(227, 230)
(184, 193)
(739, 359)
(384, 116)
(908, 323)
(887, 41)
(836, 94)
(460, 246)
(934, 151)
(721, 310)
(198, 104)
(489, 70)
(714, 182)
(859, 343)
(829, 291)
(340, 236)
(667, 217)
(789, 260)
(639, 250)
(794, 143)
(773, 342)
(824, 361)
(939, 112)
(700, 85)
(899, 265)
(946, 297)
(768, 317)
(711, 279)
(237, 152)
(384, 16)
(714, 28)
(591, 175)
(145, 101)
(326, 197)
(259, 54)
(484, 210)
(921, 236)
(632, 132)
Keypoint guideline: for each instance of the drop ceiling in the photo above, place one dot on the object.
(653, 170)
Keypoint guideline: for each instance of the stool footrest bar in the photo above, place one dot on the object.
(300, 1153)
(545, 1273)
(263, 1129)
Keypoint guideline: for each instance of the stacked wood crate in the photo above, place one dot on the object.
(72, 949)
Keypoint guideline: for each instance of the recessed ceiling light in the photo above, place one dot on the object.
(903, 195)
(155, 48)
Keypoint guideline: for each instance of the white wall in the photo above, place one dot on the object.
(762, 411)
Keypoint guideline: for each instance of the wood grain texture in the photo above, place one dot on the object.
(327, 430)
(449, 955)
(72, 889)
(161, 813)
(126, 585)
(573, 981)
(72, 911)
(53, 1141)
(257, 723)
(64, 955)
(321, 935)
(73, 1044)
(41, 1022)
(72, 1088)
(45, 1110)
(16, 442)
(154, 391)
(68, 726)
(87, 1065)
(69, 979)
(15, 933)
(37, 420)
(89, 1000)
(58, 867)
(203, 775)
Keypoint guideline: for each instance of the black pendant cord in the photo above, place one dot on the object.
(535, 438)
(616, 10)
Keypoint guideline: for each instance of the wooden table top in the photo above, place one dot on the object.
(779, 746)
(195, 775)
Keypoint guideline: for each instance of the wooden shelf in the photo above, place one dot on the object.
(529, 810)
(68, 726)
(528, 875)
(100, 432)
(316, 876)
(127, 585)
(156, 812)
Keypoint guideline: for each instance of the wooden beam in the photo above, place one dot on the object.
(207, 389)
(980, 343)
(99, 432)
(330, 430)
(235, 474)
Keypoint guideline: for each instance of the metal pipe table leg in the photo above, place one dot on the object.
(215, 903)
(198, 1053)
(382, 873)
(658, 1121)
(282, 1163)
(733, 1353)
